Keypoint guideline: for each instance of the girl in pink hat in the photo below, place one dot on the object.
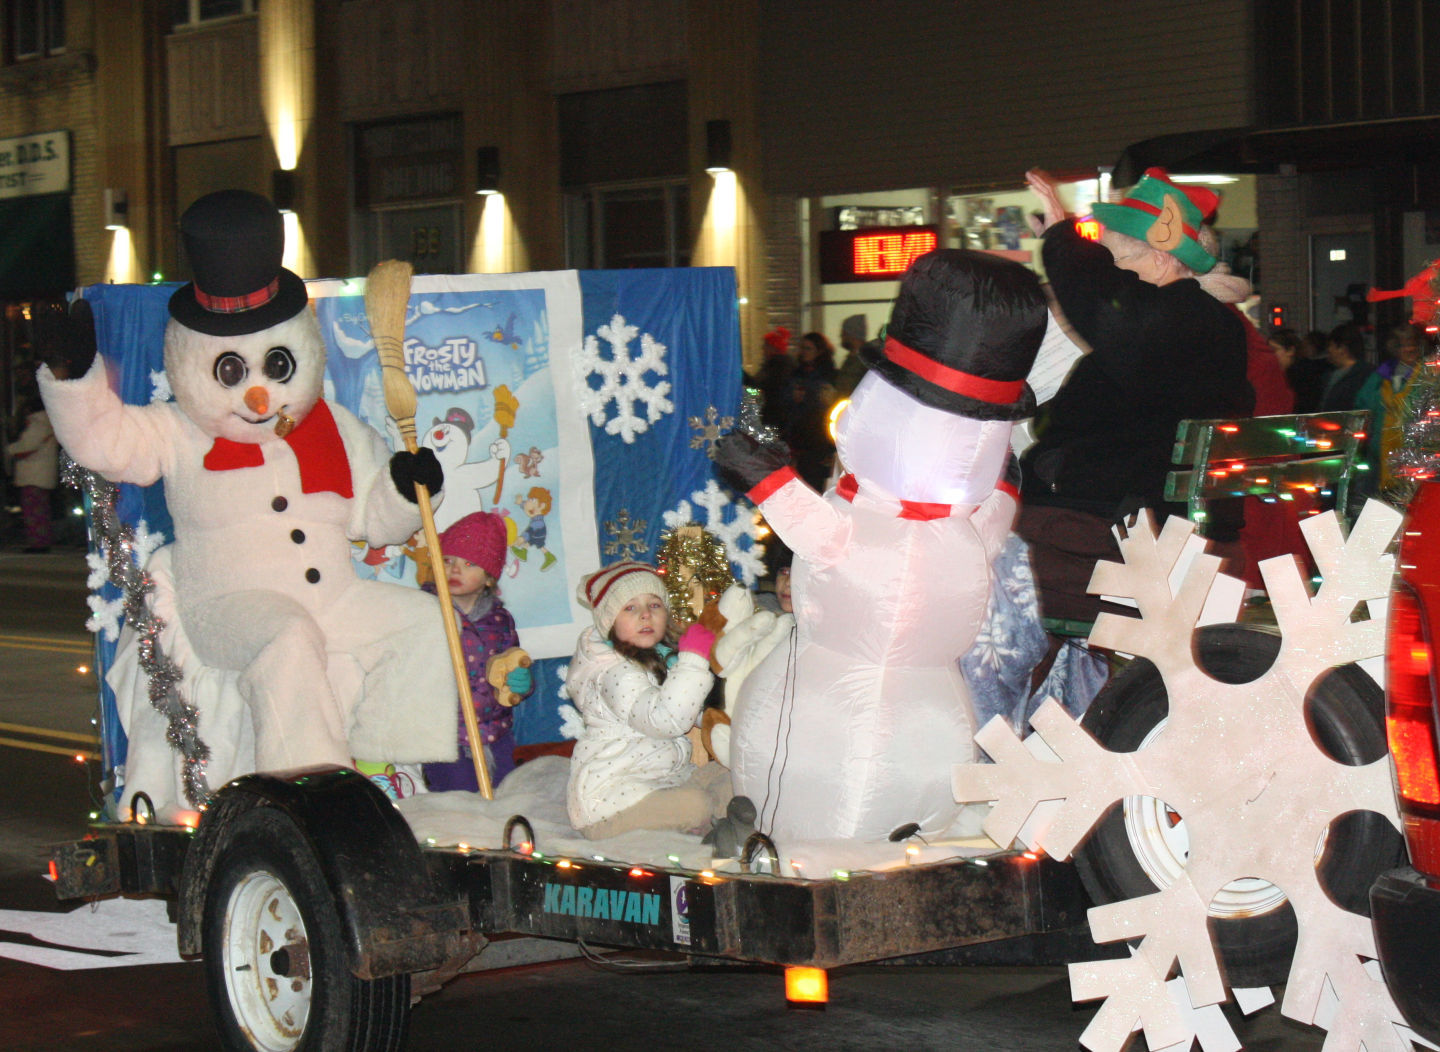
(474, 549)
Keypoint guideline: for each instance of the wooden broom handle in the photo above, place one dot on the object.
(389, 285)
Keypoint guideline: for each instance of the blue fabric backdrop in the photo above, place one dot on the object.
(692, 312)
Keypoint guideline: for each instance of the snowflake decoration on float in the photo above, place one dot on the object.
(627, 541)
(1241, 766)
(712, 500)
(106, 616)
(710, 429)
(622, 379)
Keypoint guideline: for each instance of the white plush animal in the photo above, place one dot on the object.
(266, 484)
(853, 729)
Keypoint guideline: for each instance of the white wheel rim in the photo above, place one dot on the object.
(1161, 845)
(261, 918)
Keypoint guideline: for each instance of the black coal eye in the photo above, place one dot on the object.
(279, 364)
(230, 369)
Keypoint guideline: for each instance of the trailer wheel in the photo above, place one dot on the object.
(275, 963)
(1139, 846)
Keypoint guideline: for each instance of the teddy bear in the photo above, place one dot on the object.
(851, 727)
(266, 483)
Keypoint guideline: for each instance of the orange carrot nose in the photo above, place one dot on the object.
(257, 401)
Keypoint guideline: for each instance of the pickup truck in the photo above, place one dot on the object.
(1405, 902)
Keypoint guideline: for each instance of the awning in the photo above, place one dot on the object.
(37, 247)
(1312, 147)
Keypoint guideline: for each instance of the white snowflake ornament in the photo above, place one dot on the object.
(1237, 762)
(622, 380)
(106, 616)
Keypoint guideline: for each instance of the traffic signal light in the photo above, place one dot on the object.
(1277, 317)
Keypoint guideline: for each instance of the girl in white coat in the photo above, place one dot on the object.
(639, 697)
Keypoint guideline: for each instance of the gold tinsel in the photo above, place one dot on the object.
(694, 566)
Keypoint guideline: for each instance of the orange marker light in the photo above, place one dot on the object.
(807, 986)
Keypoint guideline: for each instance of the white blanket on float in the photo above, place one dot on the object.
(536, 790)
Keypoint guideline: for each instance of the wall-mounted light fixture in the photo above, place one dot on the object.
(717, 146)
(284, 189)
(117, 210)
(487, 170)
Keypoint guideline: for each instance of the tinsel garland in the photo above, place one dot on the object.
(116, 542)
(1418, 456)
(750, 418)
(690, 553)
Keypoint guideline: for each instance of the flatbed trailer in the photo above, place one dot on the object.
(313, 905)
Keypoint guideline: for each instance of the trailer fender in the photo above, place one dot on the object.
(395, 917)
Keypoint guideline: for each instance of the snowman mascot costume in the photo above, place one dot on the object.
(265, 481)
(851, 728)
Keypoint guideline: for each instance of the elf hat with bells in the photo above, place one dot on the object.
(234, 241)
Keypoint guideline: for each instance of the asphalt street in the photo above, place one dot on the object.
(110, 994)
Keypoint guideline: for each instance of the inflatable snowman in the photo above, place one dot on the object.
(266, 482)
(851, 728)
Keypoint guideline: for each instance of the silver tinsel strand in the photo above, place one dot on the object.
(116, 542)
(750, 421)
(1418, 457)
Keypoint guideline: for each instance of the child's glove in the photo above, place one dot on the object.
(407, 469)
(519, 681)
(63, 340)
(697, 640)
(509, 675)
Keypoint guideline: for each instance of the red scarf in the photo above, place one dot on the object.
(318, 449)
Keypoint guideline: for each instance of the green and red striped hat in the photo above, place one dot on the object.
(1164, 216)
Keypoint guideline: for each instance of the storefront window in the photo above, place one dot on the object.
(36, 28)
(645, 225)
(193, 12)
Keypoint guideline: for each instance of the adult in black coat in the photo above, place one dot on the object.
(1162, 350)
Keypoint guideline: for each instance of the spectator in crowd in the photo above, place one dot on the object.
(1309, 372)
(35, 455)
(1384, 394)
(807, 421)
(772, 379)
(1345, 348)
(852, 339)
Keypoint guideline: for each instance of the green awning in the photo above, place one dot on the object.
(37, 247)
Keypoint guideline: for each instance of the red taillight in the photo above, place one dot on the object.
(1410, 719)
(1422, 837)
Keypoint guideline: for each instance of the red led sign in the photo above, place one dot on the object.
(1089, 229)
(874, 254)
(890, 254)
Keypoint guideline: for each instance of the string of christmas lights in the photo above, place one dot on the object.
(118, 548)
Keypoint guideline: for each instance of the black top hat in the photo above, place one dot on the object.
(963, 334)
(235, 240)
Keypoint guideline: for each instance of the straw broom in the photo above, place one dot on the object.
(387, 297)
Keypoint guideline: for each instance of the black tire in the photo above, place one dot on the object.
(266, 886)
(1346, 711)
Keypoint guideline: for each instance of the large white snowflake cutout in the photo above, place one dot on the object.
(1238, 763)
(713, 500)
(622, 379)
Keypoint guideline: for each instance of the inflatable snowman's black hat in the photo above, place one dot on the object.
(963, 334)
(234, 241)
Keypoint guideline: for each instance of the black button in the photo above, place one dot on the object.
(298, 536)
(312, 575)
(279, 503)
